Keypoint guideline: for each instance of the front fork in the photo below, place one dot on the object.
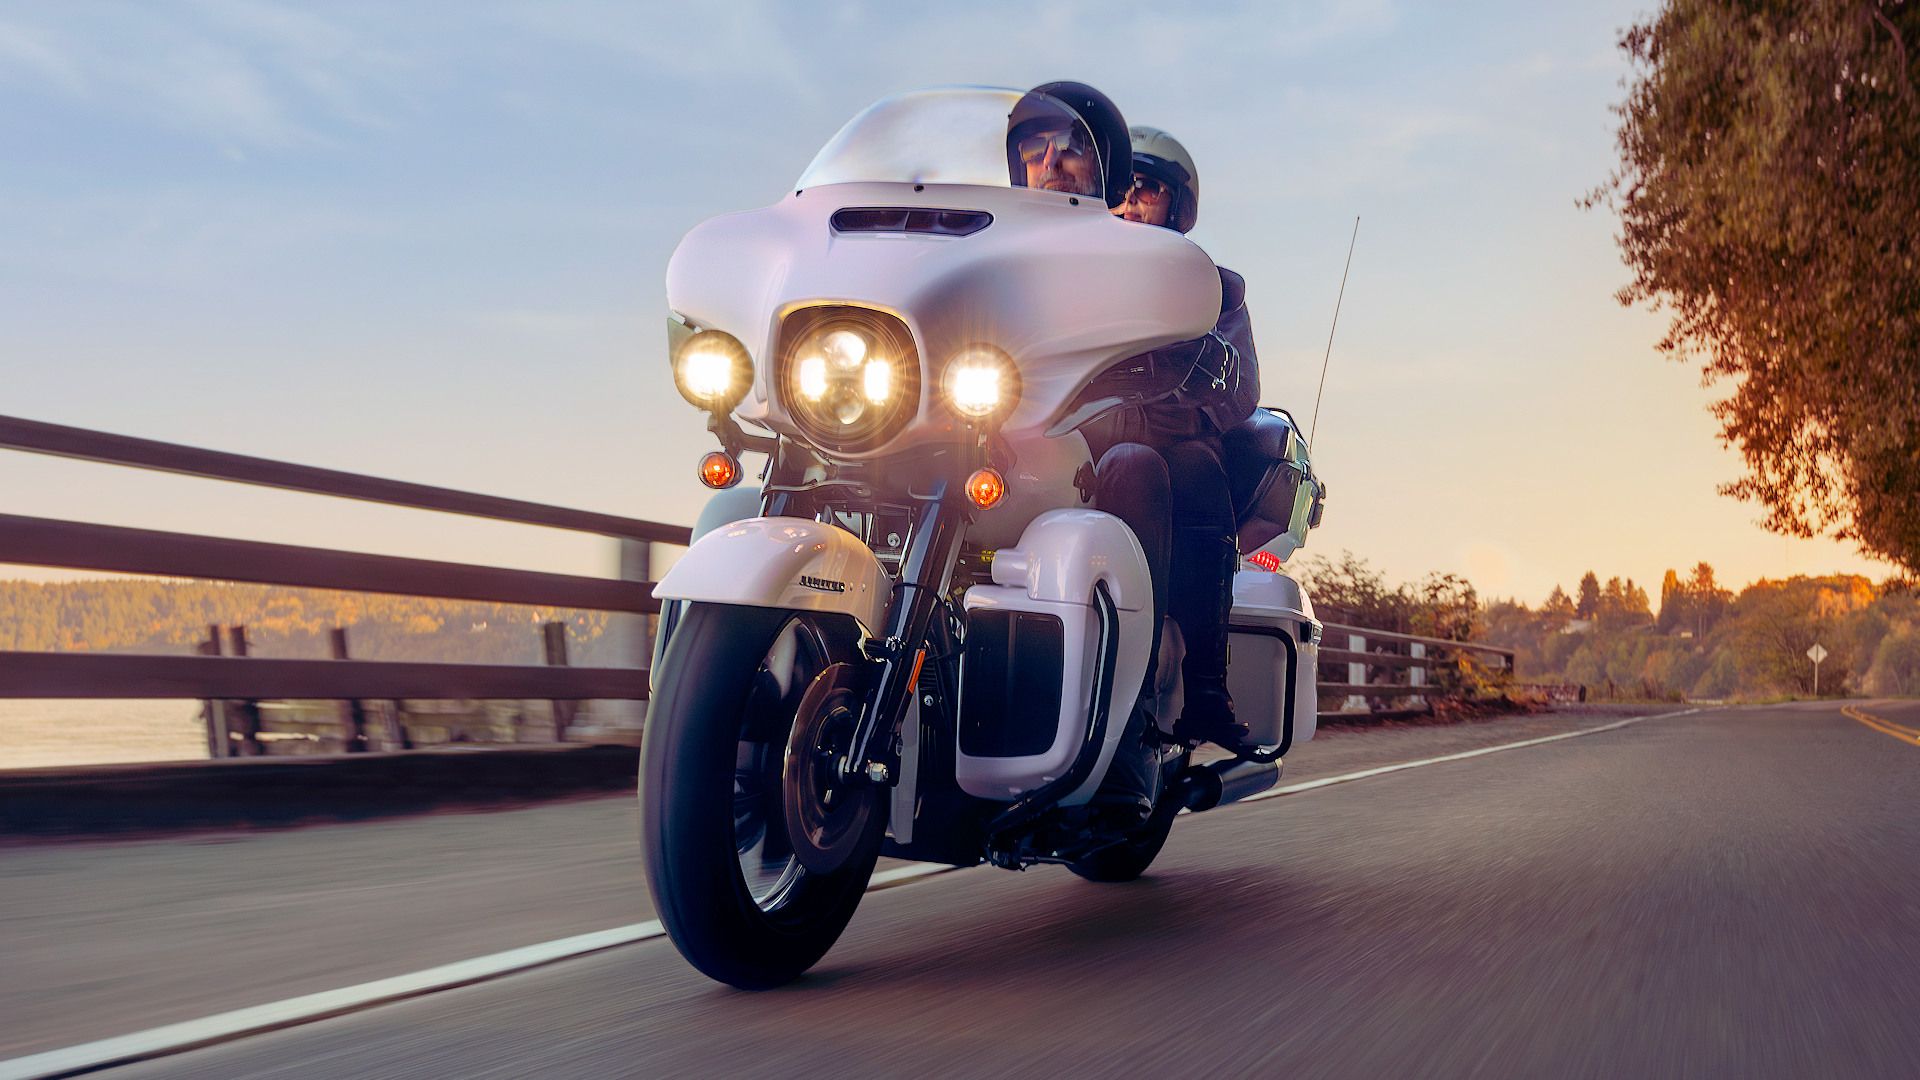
(933, 546)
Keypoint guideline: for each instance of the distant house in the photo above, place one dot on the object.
(1577, 626)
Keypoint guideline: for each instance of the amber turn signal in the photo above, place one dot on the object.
(719, 470)
(986, 487)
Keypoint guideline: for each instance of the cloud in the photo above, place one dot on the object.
(244, 74)
(32, 57)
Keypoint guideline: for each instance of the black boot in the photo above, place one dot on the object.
(1208, 712)
(1132, 784)
(1208, 716)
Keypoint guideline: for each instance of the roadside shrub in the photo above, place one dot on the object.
(1721, 678)
(1896, 665)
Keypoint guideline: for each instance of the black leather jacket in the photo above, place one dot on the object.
(1195, 389)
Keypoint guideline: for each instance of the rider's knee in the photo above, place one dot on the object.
(1127, 469)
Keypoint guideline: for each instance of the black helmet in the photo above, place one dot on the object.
(1109, 129)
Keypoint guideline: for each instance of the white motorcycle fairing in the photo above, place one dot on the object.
(780, 562)
(1055, 281)
(1051, 575)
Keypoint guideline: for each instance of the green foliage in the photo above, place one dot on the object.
(1589, 602)
(1720, 679)
(1706, 642)
(1768, 191)
(1439, 605)
(1896, 664)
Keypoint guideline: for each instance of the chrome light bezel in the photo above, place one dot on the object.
(723, 346)
(1009, 383)
(885, 335)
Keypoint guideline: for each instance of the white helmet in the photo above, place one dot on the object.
(1160, 155)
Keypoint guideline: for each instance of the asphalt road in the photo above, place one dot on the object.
(1733, 893)
(105, 937)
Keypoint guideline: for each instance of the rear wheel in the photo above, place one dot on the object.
(741, 742)
(1130, 858)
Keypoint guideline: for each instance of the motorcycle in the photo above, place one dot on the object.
(913, 637)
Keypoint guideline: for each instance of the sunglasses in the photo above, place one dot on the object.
(1147, 190)
(1035, 147)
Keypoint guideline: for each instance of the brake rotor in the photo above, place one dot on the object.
(826, 817)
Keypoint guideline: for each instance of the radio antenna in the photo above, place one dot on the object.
(1311, 431)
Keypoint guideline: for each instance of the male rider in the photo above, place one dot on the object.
(1089, 153)
(1159, 460)
(1214, 385)
(1067, 136)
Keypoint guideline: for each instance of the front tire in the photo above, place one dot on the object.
(736, 901)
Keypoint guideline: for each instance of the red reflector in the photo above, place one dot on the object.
(1265, 560)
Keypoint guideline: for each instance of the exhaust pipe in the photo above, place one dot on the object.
(1204, 787)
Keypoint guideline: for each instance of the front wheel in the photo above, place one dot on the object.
(747, 700)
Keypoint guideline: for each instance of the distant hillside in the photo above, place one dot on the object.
(170, 617)
(1706, 641)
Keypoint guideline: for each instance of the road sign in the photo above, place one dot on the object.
(1816, 654)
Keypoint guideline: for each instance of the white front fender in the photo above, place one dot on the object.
(782, 562)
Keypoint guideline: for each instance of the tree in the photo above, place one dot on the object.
(1774, 623)
(1354, 588)
(1589, 604)
(1768, 188)
(1673, 604)
(1558, 604)
(1896, 664)
(1622, 604)
(1707, 599)
(1446, 606)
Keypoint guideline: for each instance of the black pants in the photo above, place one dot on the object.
(1177, 503)
(1206, 552)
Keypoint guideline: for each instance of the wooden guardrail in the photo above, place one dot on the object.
(1359, 666)
(1365, 669)
(78, 545)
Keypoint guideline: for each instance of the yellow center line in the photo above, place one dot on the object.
(1884, 727)
(1884, 722)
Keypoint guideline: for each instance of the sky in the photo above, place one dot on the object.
(427, 241)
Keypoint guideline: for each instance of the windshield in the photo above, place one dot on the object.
(977, 135)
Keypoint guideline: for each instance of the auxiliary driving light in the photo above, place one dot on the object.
(713, 371)
(719, 469)
(986, 487)
(981, 382)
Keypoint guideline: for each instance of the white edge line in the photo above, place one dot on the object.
(257, 1019)
(1347, 778)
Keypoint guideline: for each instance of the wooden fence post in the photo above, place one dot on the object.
(1417, 674)
(353, 718)
(212, 711)
(393, 734)
(554, 635)
(1356, 675)
(628, 642)
(245, 712)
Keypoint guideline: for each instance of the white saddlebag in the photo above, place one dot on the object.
(1274, 661)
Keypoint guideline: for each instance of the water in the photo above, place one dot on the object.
(35, 734)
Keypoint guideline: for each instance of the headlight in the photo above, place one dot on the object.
(713, 371)
(850, 376)
(981, 382)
